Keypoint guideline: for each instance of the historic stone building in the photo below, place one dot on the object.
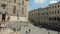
(54, 14)
(43, 16)
(33, 15)
(13, 16)
(49, 15)
(16, 9)
(39, 16)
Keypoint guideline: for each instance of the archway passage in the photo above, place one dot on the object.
(3, 17)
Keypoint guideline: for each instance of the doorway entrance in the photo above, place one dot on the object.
(3, 17)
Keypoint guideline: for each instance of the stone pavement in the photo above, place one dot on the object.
(25, 28)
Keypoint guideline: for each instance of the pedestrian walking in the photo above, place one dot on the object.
(26, 32)
(29, 30)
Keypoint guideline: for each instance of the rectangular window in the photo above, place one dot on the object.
(49, 12)
(58, 6)
(39, 14)
(14, 9)
(52, 6)
(22, 2)
(14, 1)
(58, 11)
(4, 0)
(55, 6)
(22, 10)
(9, 1)
(55, 12)
(52, 12)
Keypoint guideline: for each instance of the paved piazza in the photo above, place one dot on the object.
(25, 28)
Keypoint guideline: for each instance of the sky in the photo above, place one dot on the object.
(34, 4)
